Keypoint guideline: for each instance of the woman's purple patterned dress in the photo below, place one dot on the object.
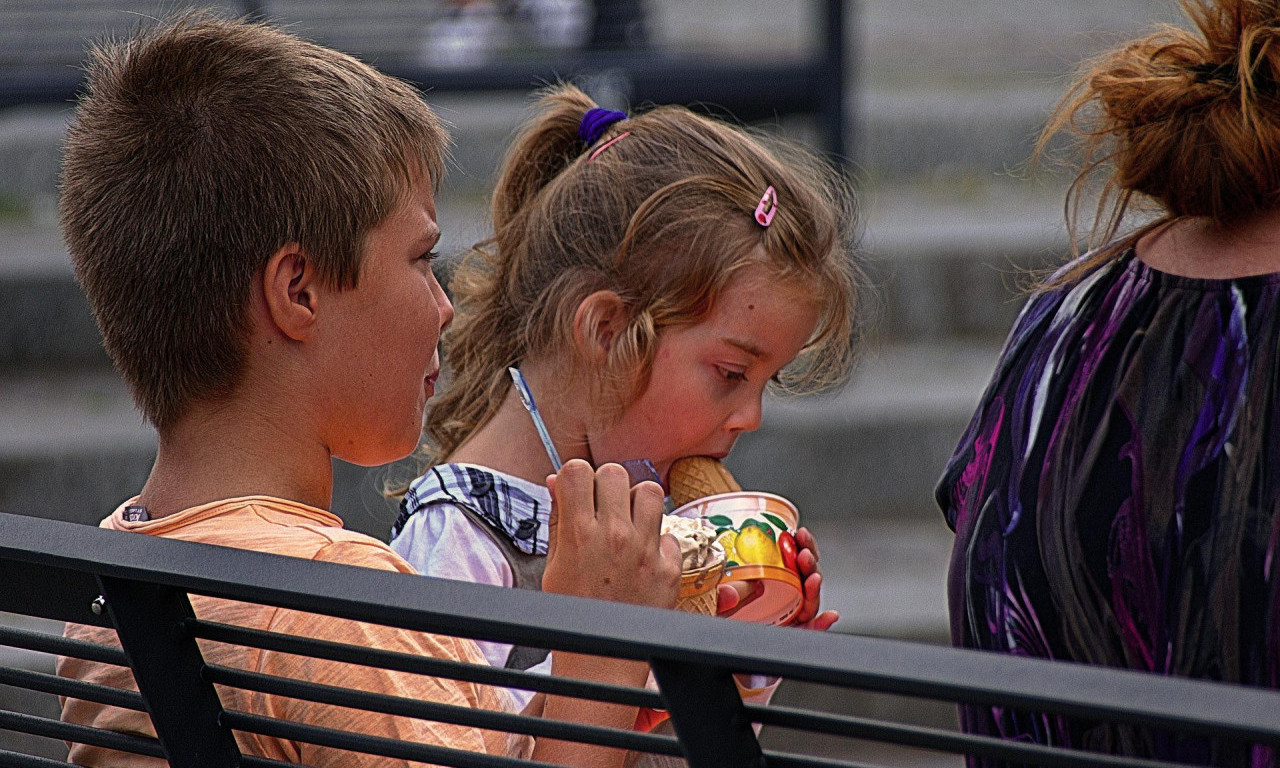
(1115, 496)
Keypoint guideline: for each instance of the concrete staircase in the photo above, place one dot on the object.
(947, 105)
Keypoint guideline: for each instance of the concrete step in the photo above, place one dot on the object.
(927, 87)
(29, 702)
(860, 465)
(876, 448)
(941, 264)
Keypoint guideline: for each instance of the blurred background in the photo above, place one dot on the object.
(932, 105)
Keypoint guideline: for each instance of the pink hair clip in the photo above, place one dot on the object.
(767, 207)
(608, 144)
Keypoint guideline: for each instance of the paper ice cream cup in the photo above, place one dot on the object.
(757, 531)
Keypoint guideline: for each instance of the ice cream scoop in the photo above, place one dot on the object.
(696, 477)
(702, 563)
(698, 546)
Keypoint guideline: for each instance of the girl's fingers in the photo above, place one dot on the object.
(805, 540)
(573, 501)
(812, 599)
(822, 622)
(806, 562)
(739, 595)
(732, 594)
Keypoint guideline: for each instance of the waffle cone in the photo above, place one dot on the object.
(695, 477)
(699, 591)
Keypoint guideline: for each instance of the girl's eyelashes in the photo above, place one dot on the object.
(429, 256)
(732, 374)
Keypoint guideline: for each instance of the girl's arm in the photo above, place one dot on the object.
(605, 544)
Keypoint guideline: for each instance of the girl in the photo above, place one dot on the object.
(649, 276)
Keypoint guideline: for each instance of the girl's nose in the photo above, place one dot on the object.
(747, 416)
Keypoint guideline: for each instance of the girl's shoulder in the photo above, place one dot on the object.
(513, 506)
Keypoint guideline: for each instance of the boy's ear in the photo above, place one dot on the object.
(289, 287)
(597, 323)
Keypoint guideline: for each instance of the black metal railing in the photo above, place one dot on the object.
(145, 583)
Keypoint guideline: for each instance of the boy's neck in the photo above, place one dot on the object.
(216, 453)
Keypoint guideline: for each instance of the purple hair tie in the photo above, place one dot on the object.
(596, 121)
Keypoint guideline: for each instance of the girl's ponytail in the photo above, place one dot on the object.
(488, 334)
(546, 146)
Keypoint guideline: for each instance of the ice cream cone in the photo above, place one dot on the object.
(702, 562)
(698, 589)
(695, 477)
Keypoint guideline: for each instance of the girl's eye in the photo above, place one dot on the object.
(731, 374)
(429, 256)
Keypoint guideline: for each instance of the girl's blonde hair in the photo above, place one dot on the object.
(1187, 119)
(664, 218)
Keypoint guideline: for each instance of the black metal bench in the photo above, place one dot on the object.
(59, 570)
(45, 40)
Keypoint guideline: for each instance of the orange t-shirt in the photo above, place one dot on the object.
(266, 524)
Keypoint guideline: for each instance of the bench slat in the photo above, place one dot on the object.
(82, 734)
(44, 682)
(61, 646)
(14, 760)
(444, 713)
(942, 741)
(372, 745)
(401, 662)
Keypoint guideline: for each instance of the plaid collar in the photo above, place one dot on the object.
(518, 508)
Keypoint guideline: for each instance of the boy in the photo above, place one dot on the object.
(252, 218)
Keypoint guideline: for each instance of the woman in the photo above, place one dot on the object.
(1115, 496)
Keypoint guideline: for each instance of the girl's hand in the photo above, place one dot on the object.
(735, 594)
(605, 538)
(808, 616)
(732, 595)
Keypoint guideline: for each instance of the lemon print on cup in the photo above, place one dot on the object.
(756, 547)
(729, 539)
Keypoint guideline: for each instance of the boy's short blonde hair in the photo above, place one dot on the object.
(199, 148)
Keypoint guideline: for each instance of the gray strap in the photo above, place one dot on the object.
(526, 573)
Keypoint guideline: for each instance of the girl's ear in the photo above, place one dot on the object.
(597, 323)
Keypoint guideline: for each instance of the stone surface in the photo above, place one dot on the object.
(946, 98)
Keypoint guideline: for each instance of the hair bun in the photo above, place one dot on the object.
(1187, 117)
